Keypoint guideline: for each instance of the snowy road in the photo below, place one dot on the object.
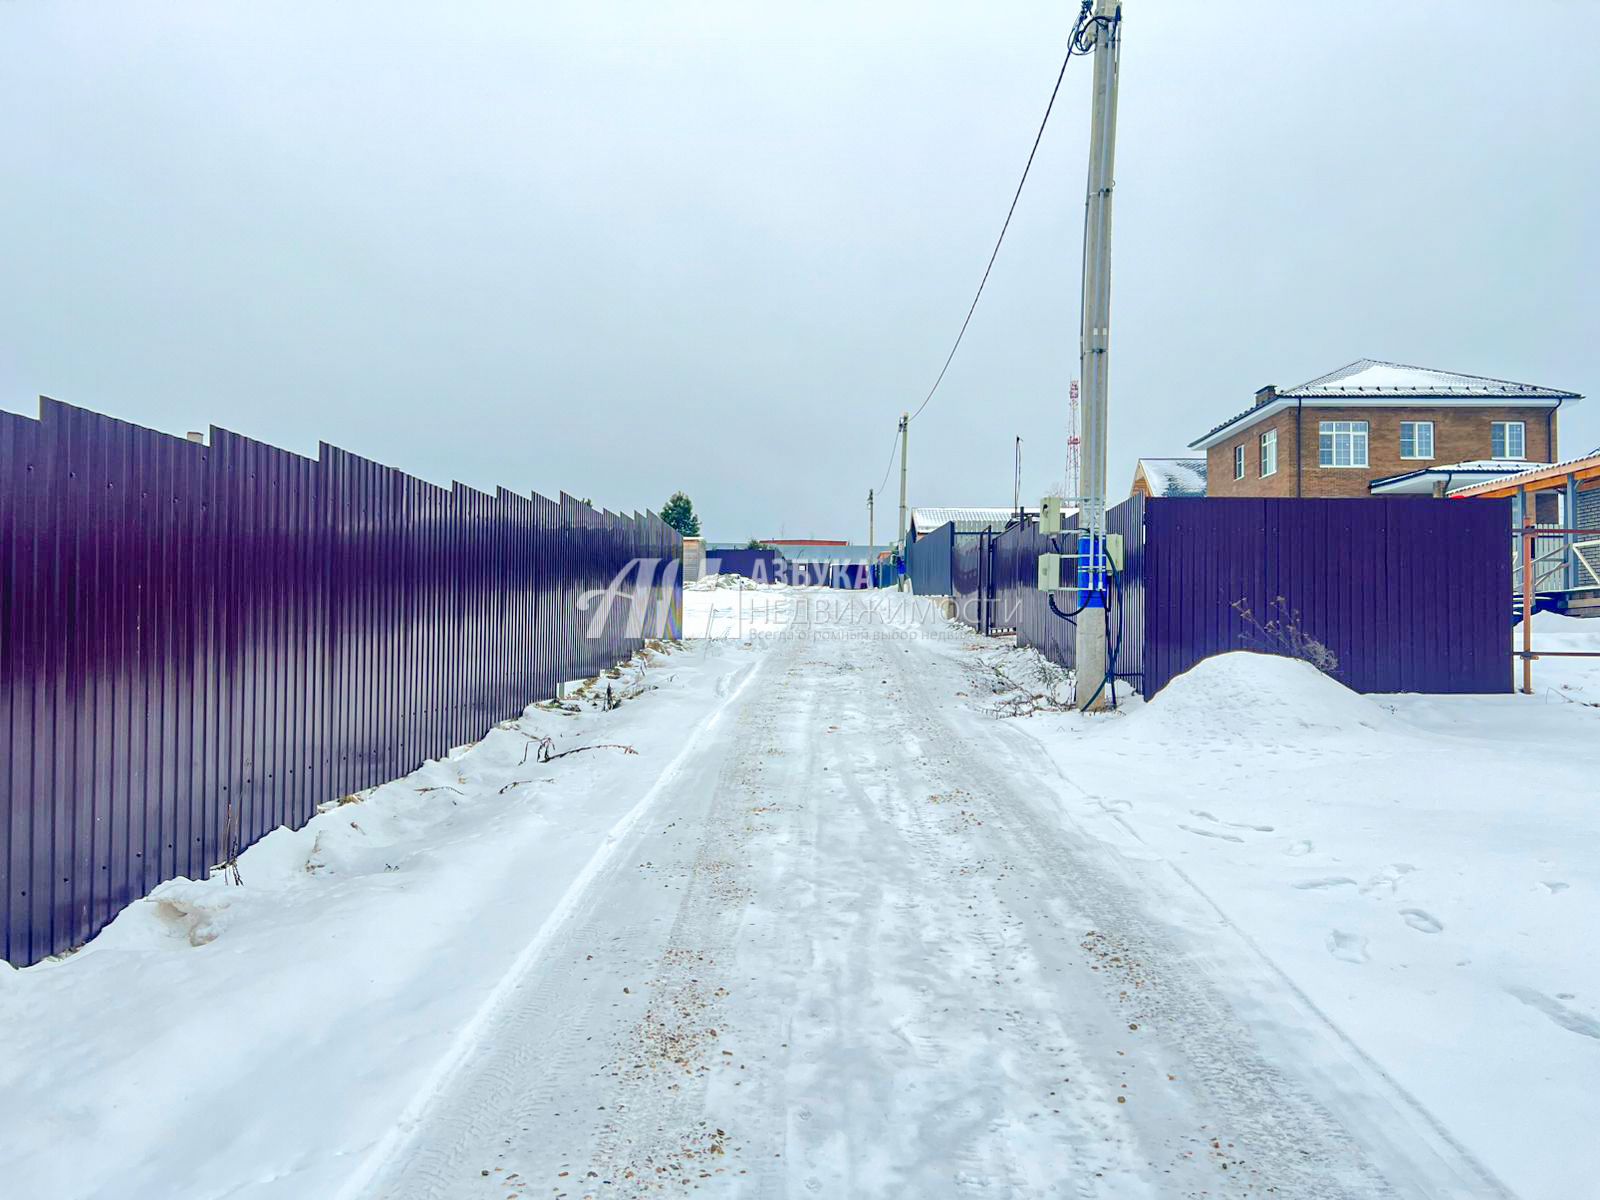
(814, 920)
(846, 946)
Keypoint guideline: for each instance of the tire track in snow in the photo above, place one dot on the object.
(1272, 1113)
(508, 1058)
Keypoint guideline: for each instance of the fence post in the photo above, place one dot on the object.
(1527, 601)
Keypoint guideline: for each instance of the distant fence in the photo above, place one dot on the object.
(202, 642)
(928, 561)
(1408, 594)
(752, 564)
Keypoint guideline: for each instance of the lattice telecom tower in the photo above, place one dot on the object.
(1074, 480)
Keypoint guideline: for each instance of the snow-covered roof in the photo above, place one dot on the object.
(1535, 473)
(967, 520)
(1371, 382)
(1371, 377)
(1174, 476)
(1454, 475)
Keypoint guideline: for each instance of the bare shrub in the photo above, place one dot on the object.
(1282, 633)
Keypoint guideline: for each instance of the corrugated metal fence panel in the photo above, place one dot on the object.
(1407, 593)
(928, 561)
(968, 577)
(200, 643)
(752, 564)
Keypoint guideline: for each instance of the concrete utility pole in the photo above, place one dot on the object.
(905, 437)
(1016, 481)
(871, 538)
(1095, 337)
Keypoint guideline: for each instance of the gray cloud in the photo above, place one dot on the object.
(624, 249)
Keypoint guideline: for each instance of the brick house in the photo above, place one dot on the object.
(1374, 422)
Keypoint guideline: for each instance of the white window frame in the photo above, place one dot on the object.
(1502, 431)
(1238, 461)
(1268, 462)
(1355, 435)
(1417, 439)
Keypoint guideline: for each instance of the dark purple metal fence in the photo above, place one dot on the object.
(969, 579)
(928, 561)
(752, 564)
(1407, 593)
(198, 636)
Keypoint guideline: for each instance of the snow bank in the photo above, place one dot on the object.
(1431, 886)
(732, 583)
(735, 608)
(255, 1040)
(1572, 678)
(1255, 698)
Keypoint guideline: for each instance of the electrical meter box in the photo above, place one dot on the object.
(1050, 572)
(1050, 516)
(1114, 550)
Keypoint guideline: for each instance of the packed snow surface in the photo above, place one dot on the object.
(1248, 699)
(843, 900)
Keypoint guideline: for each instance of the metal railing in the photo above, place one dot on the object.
(1528, 573)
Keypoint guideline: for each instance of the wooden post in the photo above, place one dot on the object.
(1527, 601)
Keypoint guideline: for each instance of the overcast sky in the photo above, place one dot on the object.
(620, 249)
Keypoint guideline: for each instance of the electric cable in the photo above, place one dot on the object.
(894, 449)
(1112, 651)
(1074, 45)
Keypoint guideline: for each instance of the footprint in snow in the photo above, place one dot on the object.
(1331, 881)
(1211, 833)
(1299, 849)
(1350, 947)
(1555, 885)
(1567, 1018)
(1389, 878)
(1205, 816)
(1422, 922)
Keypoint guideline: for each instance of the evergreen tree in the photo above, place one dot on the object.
(755, 544)
(678, 512)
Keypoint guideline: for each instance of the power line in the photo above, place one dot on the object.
(1072, 45)
(893, 449)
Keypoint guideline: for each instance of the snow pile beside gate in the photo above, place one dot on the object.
(1571, 678)
(1244, 697)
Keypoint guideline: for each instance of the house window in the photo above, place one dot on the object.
(1507, 440)
(1416, 439)
(1269, 453)
(1342, 444)
(1238, 461)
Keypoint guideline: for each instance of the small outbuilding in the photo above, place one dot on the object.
(1169, 477)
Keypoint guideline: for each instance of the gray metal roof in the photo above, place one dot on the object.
(1371, 381)
(967, 520)
(1371, 378)
(1459, 474)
